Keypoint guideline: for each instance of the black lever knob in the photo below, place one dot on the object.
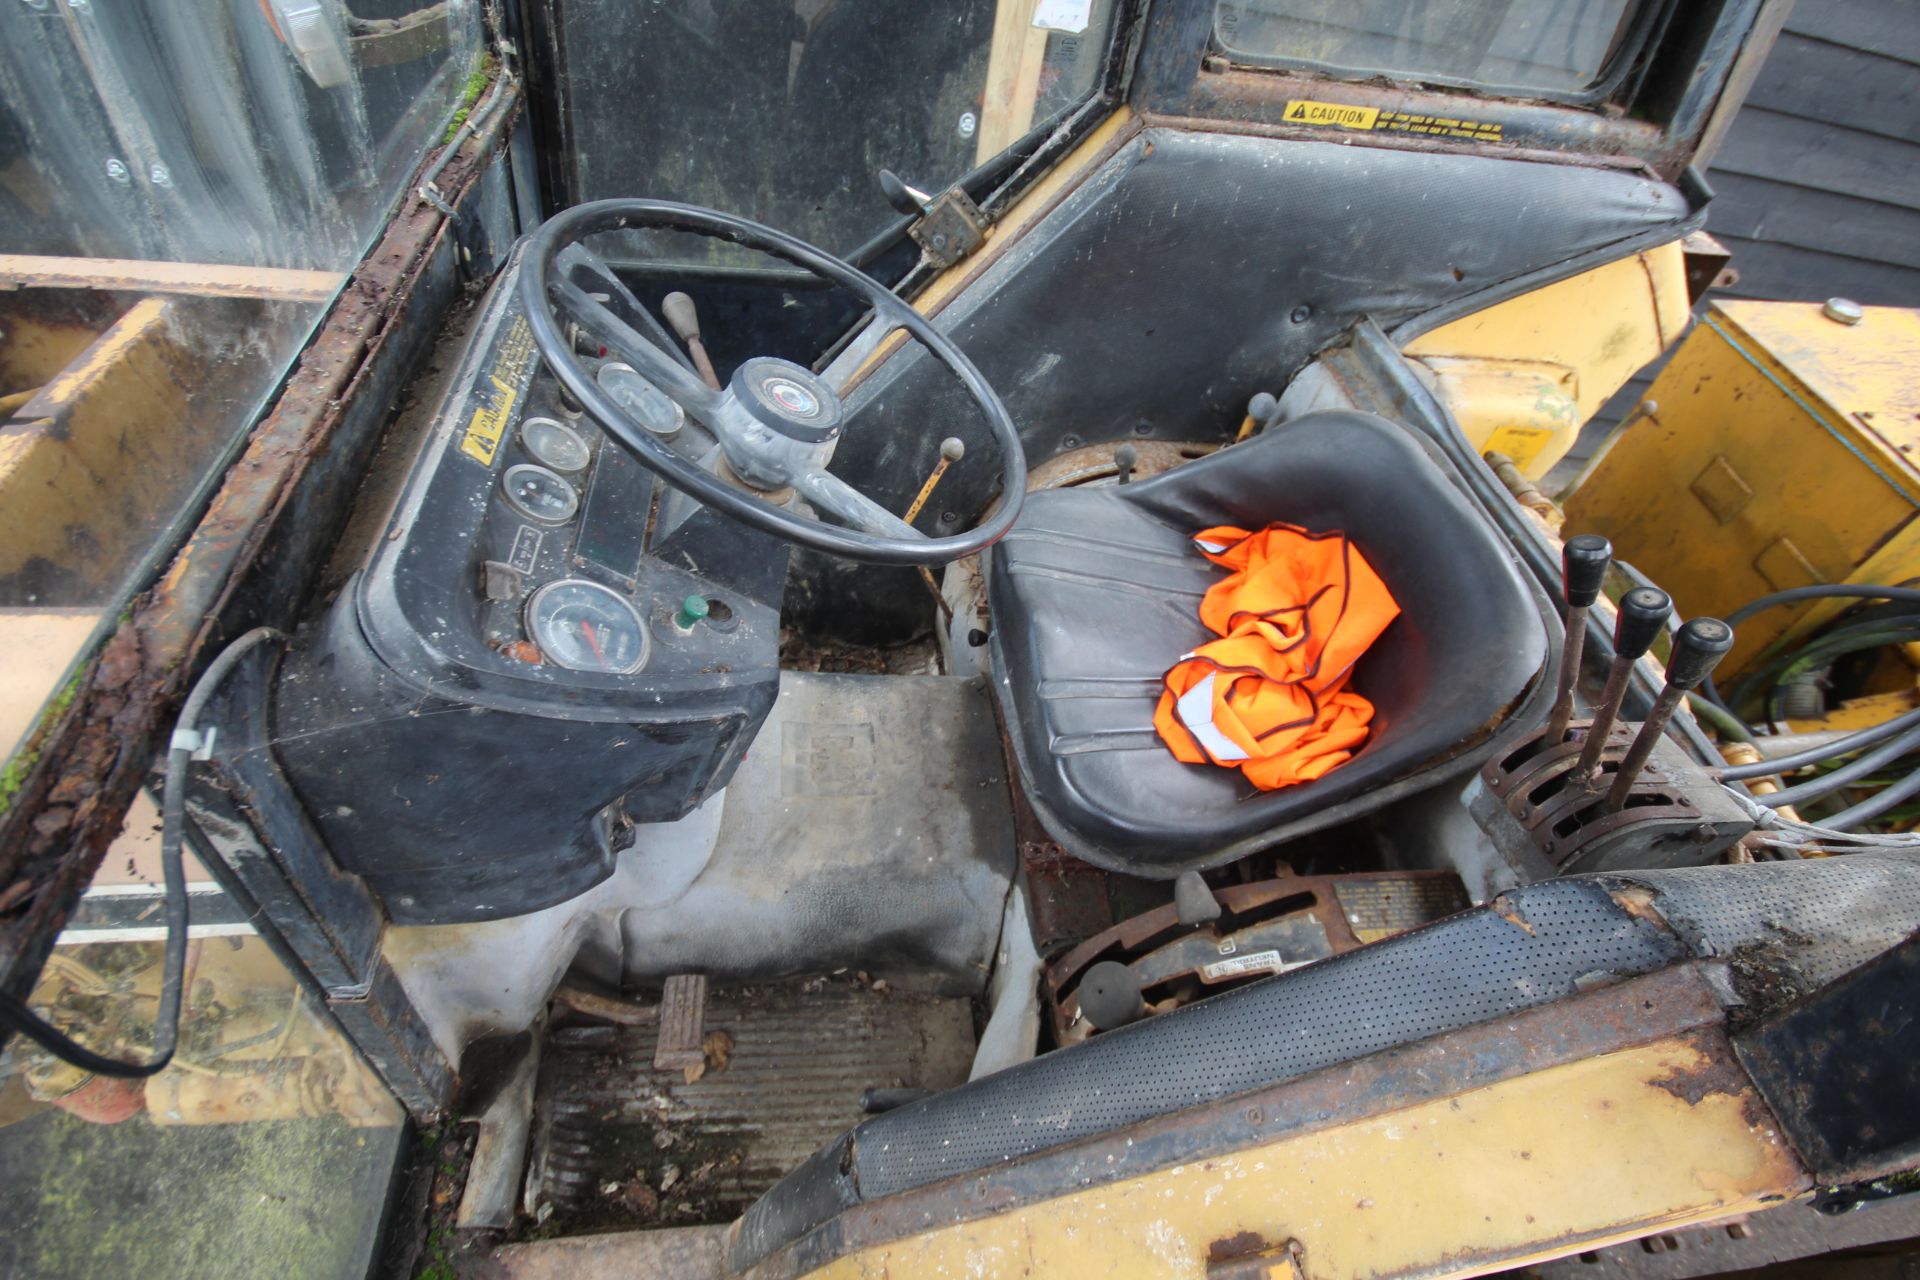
(1643, 612)
(901, 196)
(1697, 649)
(1584, 560)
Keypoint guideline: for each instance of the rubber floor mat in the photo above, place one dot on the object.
(619, 1144)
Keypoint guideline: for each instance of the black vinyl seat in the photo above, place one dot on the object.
(1095, 594)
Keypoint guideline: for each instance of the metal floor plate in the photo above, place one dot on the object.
(618, 1144)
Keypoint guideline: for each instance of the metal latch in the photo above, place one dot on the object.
(947, 227)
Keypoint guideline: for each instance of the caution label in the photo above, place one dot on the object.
(1341, 115)
(489, 422)
(1303, 111)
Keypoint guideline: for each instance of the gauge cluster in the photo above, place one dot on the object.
(544, 646)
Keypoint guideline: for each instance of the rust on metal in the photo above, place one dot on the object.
(94, 758)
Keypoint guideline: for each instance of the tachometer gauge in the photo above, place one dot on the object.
(555, 444)
(539, 494)
(645, 403)
(584, 626)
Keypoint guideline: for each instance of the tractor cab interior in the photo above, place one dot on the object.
(727, 711)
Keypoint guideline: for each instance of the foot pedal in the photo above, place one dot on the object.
(683, 1023)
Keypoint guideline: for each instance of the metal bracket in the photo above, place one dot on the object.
(951, 228)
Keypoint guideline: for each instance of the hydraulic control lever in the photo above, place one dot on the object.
(685, 319)
(1643, 612)
(1584, 560)
(1697, 649)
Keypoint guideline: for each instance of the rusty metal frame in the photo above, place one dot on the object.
(252, 559)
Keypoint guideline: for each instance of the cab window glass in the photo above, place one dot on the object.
(784, 113)
(1530, 46)
(173, 139)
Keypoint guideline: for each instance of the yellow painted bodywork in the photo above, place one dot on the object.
(1534, 1167)
(1780, 454)
(1523, 376)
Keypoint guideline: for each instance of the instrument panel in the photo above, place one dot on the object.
(545, 646)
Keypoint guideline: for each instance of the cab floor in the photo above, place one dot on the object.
(617, 1144)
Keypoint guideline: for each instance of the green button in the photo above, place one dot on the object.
(692, 610)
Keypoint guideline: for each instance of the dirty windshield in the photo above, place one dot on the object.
(1534, 46)
(785, 113)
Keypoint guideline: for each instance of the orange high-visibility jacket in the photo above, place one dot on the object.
(1270, 697)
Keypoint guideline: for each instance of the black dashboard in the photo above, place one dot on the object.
(545, 646)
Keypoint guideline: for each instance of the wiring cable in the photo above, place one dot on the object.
(1814, 788)
(14, 1013)
(1794, 595)
(1827, 751)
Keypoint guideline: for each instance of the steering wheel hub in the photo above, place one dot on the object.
(788, 399)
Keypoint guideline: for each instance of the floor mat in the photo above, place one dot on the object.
(618, 1144)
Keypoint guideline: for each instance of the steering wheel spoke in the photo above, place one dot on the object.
(652, 356)
(830, 493)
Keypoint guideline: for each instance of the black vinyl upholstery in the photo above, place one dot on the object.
(1095, 592)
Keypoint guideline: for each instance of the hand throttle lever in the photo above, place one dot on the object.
(1643, 612)
(1583, 561)
(1697, 649)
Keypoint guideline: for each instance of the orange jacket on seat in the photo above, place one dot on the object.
(1270, 697)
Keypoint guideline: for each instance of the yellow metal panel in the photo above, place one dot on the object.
(1778, 456)
(1533, 1167)
(1594, 331)
(87, 463)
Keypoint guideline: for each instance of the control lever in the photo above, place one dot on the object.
(680, 313)
(1125, 459)
(1583, 561)
(1697, 649)
(1643, 612)
(952, 449)
(902, 197)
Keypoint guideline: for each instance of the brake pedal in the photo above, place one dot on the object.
(683, 1023)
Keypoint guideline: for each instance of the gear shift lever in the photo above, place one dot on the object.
(1643, 612)
(1697, 649)
(1584, 560)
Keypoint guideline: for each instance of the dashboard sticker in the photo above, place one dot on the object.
(526, 548)
(1341, 115)
(489, 421)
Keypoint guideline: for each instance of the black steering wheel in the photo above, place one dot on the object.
(776, 423)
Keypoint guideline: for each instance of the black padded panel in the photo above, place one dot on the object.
(1095, 593)
(1469, 968)
(1163, 292)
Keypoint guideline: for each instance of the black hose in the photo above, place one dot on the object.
(1827, 751)
(1824, 649)
(15, 1014)
(1875, 805)
(1814, 788)
(1793, 595)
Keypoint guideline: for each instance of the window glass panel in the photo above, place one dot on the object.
(272, 135)
(1540, 45)
(785, 112)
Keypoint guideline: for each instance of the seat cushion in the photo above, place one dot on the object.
(1096, 591)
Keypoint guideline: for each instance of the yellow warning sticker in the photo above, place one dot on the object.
(1344, 116)
(1522, 444)
(490, 419)
(1303, 111)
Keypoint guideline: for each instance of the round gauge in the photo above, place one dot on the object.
(555, 444)
(539, 494)
(584, 626)
(644, 402)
